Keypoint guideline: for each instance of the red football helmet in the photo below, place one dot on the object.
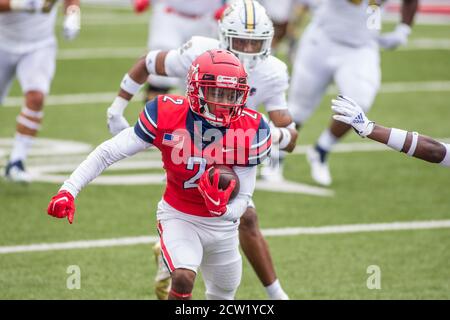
(217, 87)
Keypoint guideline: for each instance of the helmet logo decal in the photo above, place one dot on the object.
(249, 15)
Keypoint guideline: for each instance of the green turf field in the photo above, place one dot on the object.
(369, 187)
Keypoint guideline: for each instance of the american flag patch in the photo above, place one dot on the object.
(171, 140)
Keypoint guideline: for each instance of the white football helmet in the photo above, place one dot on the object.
(247, 31)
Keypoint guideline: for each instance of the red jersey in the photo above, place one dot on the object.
(190, 146)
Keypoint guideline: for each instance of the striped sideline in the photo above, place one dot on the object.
(276, 232)
(108, 97)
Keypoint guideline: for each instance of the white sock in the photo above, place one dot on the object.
(326, 140)
(22, 144)
(276, 292)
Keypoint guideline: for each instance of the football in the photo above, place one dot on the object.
(226, 175)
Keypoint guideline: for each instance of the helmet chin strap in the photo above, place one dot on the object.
(208, 115)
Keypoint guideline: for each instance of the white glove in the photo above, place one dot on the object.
(392, 40)
(349, 112)
(115, 119)
(71, 22)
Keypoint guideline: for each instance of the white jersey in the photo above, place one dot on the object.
(268, 81)
(22, 32)
(194, 7)
(280, 11)
(350, 22)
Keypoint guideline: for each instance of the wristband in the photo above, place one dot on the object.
(119, 105)
(412, 148)
(285, 139)
(397, 139)
(129, 85)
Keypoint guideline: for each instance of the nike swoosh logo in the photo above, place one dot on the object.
(54, 204)
(213, 201)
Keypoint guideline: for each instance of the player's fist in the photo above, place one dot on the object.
(216, 199)
(398, 37)
(116, 121)
(62, 205)
(349, 112)
(71, 25)
(140, 5)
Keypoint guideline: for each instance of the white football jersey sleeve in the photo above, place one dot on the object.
(268, 84)
(351, 22)
(178, 61)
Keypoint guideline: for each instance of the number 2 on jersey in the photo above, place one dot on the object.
(178, 101)
(192, 182)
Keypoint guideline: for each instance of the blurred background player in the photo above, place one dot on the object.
(246, 30)
(172, 23)
(414, 145)
(341, 44)
(286, 16)
(197, 224)
(28, 51)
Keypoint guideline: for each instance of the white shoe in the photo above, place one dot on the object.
(15, 172)
(272, 174)
(319, 170)
(162, 278)
(280, 296)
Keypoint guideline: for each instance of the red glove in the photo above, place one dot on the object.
(219, 12)
(62, 205)
(216, 199)
(140, 5)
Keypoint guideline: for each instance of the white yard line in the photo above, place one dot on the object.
(101, 53)
(427, 44)
(275, 232)
(135, 52)
(107, 97)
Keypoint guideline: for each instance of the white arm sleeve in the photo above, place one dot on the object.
(123, 145)
(247, 179)
(446, 161)
(179, 61)
(275, 95)
(176, 64)
(276, 102)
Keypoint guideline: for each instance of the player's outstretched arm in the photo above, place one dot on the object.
(123, 145)
(283, 129)
(411, 143)
(152, 63)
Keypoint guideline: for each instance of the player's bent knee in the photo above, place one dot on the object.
(183, 280)
(249, 222)
(34, 100)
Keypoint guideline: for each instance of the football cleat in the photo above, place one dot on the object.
(48, 5)
(319, 170)
(162, 278)
(15, 172)
(272, 173)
